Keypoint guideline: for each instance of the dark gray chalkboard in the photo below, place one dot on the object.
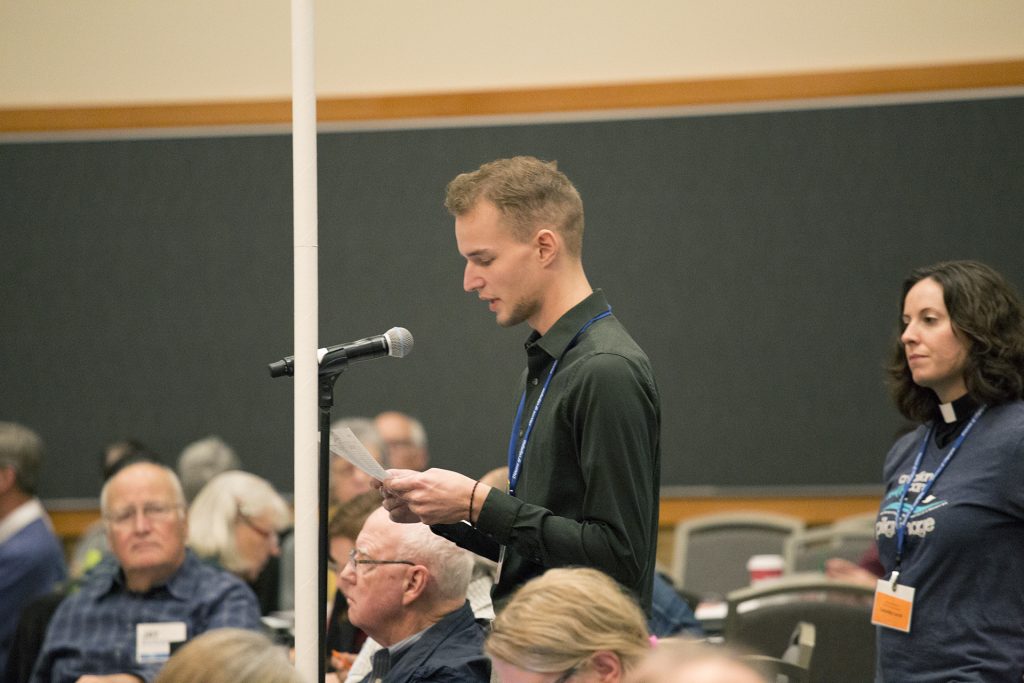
(756, 256)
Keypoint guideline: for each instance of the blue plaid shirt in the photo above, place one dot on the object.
(93, 630)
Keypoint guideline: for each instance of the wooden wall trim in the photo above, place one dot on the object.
(718, 91)
(813, 511)
(70, 521)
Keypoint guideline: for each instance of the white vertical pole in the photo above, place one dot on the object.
(304, 179)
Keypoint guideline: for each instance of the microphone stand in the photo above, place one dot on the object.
(326, 400)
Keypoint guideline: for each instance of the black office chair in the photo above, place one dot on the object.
(762, 618)
(795, 663)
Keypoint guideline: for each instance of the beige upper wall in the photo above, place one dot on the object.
(112, 52)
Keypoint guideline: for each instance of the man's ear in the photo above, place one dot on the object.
(415, 583)
(548, 245)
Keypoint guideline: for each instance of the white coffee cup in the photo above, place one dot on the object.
(764, 568)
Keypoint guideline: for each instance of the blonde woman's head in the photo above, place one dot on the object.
(571, 622)
(229, 655)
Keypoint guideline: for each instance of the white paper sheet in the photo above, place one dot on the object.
(345, 444)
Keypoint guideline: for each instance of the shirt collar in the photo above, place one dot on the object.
(182, 585)
(561, 333)
(399, 648)
(20, 517)
(958, 410)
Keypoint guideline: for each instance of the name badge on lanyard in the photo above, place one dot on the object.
(894, 603)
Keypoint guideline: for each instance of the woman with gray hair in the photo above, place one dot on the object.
(235, 521)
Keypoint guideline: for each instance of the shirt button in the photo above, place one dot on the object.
(534, 381)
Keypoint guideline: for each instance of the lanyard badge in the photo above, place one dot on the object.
(894, 602)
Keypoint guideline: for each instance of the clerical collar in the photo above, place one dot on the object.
(958, 410)
(952, 417)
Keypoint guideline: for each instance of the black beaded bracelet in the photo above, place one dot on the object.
(472, 494)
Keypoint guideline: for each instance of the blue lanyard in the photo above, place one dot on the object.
(515, 456)
(903, 520)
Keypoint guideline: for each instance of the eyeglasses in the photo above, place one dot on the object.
(154, 513)
(567, 674)
(269, 534)
(355, 561)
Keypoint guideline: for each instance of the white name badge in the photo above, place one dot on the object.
(153, 641)
(501, 563)
(893, 605)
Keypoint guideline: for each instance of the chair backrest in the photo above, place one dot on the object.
(864, 521)
(763, 617)
(710, 553)
(794, 664)
(807, 550)
(800, 650)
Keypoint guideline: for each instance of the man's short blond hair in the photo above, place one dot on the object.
(530, 194)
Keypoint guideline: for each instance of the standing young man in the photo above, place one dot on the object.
(584, 454)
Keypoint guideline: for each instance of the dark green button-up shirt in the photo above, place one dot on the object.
(588, 491)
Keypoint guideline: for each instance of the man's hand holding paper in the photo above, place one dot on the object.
(433, 497)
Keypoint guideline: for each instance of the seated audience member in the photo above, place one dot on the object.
(574, 623)
(92, 544)
(90, 550)
(406, 440)
(31, 557)
(201, 461)
(478, 593)
(670, 614)
(153, 593)
(685, 661)
(347, 480)
(865, 572)
(229, 655)
(234, 522)
(343, 529)
(406, 588)
(119, 453)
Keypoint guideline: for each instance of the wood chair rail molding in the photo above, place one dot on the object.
(530, 101)
(72, 517)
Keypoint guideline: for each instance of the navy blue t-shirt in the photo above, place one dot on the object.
(963, 555)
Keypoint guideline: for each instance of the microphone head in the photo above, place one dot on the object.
(399, 342)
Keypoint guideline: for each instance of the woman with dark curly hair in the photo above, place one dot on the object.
(951, 527)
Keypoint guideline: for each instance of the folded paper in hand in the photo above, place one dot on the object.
(345, 445)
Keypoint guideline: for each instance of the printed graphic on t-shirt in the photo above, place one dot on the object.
(921, 523)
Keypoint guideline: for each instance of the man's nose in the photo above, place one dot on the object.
(470, 280)
(347, 573)
(140, 522)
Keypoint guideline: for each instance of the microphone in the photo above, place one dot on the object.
(395, 342)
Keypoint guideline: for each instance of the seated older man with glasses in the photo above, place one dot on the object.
(406, 588)
(133, 610)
